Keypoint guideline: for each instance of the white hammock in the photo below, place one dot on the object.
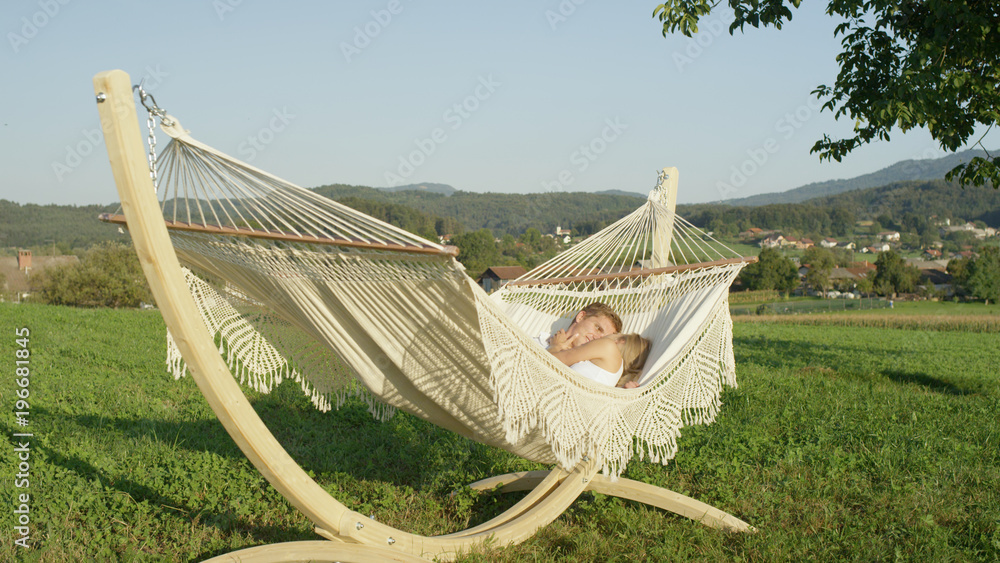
(349, 295)
(297, 285)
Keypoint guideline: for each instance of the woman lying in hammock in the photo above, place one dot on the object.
(614, 360)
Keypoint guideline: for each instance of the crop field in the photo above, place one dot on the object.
(918, 315)
(808, 306)
(843, 442)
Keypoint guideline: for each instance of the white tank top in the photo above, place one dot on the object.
(596, 373)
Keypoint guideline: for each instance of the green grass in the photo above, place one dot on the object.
(841, 444)
(743, 249)
(943, 308)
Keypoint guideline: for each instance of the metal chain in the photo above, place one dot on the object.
(151, 141)
(154, 111)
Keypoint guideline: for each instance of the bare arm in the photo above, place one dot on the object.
(602, 352)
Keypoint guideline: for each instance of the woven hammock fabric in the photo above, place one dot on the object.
(413, 332)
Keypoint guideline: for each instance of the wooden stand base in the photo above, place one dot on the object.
(337, 550)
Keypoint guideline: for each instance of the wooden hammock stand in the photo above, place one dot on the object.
(350, 536)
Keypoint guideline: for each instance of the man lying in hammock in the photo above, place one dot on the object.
(592, 347)
(593, 321)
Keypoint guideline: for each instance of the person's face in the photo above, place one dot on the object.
(592, 327)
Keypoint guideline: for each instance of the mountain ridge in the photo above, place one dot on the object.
(429, 187)
(904, 170)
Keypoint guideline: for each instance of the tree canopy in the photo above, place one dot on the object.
(979, 276)
(905, 64)
(894, 275)
(772, 270)
(108, 275)
(821, 262)
(477, 251)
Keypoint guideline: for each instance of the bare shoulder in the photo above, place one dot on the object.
(605, 353)
(604, 347)
(601, 351)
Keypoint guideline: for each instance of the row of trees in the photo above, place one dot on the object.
(501, 213)
(906, 207)
(109, 274)
(479, 250)
(977, 277)
(803, 218)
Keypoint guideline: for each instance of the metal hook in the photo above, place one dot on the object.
(144, 96)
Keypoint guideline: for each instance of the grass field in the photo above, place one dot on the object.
(842, 443)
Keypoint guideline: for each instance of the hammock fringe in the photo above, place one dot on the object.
(254, 360)
(533, 391)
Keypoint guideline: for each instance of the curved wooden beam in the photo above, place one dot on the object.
(317, 550)
(162, 269)
(541, 489)
(631, 490)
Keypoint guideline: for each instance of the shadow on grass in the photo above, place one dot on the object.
(924, 380)
(786, 354)
(345, 444)
(225, 521)
(825, 358)
(403, 450)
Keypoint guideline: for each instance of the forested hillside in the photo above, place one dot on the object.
(425, 212)
(421, 212)
(405, 217)
(504, 213)
(927, 198)
(68, 227)
(835, 215)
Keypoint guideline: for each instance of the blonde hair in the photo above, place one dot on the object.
(635, 351)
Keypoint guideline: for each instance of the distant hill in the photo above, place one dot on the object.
(921, 198)
(503, 213)
(896, 205)
(623, 192)
(927, 169)
(64, 226)
(430, 188)
(336, 191)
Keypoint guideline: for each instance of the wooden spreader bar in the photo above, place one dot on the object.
(637, 273)
(287, 237)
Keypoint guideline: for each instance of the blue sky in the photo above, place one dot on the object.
(559, 95)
